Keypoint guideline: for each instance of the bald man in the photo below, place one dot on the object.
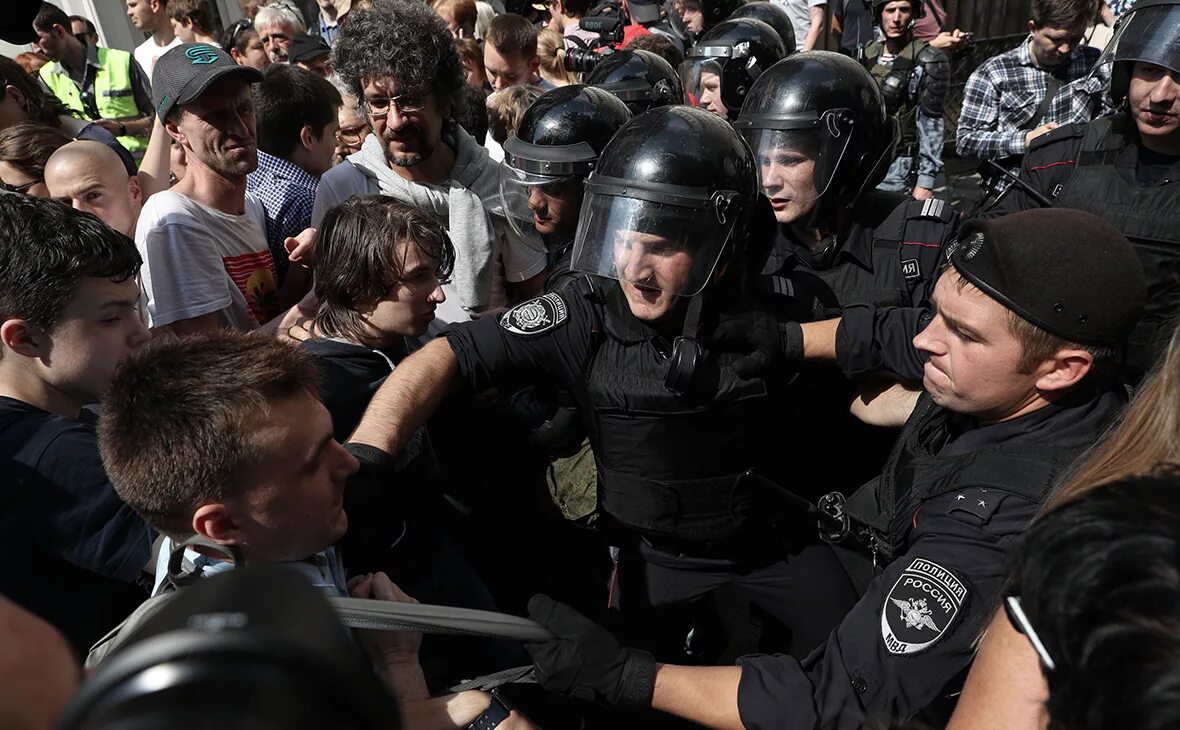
(38, 672)
(89, 176)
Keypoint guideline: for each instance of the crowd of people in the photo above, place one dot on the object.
(647, 321)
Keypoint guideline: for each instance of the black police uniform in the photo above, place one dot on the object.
(1101, 167)
(957, 497)
(667, 464)
(889, 259)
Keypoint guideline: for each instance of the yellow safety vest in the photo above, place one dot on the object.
(113, 93)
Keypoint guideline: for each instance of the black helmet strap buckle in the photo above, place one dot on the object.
(686, 351)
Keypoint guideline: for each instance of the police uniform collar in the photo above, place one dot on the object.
(92, 55)
(856, 246)
(620, 323)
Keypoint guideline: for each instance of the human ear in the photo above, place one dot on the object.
(23, 338)
(1064, 370)
(214, 522)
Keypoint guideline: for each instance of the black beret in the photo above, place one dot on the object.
(306, 47)
(1068, 272)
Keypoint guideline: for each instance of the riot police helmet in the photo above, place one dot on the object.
(555, 147)
(774, 16)
(641, 79)
(822, 108)
(725, 62)
(676, 184)
(1149, 33)
(715, 11)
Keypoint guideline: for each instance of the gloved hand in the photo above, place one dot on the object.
(585, 661)
(766, 341)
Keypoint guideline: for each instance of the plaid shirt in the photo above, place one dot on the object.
(287, 193)
(1005, 92)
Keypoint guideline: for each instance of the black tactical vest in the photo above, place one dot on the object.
(1145, 215)
(668, 467)
(916, 472)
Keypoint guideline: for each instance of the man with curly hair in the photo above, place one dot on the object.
(400, 60)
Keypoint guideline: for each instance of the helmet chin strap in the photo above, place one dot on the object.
(686, 351)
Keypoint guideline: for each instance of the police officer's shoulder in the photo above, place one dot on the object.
(873, 50)
(934, 209)
(552, 310)
(876, 207)
(1067, 133)
(930, 55)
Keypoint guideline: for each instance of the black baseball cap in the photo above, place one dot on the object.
(305, 47)
(1068, 272)
(186, 71)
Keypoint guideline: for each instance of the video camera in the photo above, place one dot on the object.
(607, 21)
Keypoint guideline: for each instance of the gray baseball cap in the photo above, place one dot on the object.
(185, 72)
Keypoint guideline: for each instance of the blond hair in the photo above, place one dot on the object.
(551, 49)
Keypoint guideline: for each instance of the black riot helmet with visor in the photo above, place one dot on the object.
(774, 16)
(823, 108)
(1149, 33)
(640, 79)
(559, 139)
(673, 180)
(721, 68)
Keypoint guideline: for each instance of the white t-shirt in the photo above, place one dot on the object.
(147, 52)
(197, 260)
(520, 260)
(800, 12)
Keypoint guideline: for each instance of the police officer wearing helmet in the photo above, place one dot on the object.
(772, 15)
(699, 16)
(818, 128)
(665, 233)
(720, 69)
(548, 158)
(640, 79)
(914, 76)
(1126, 167)
(1030, 315)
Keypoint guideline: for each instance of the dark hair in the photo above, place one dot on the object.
(464, 12)
(178, 420)
(659, 45)
(86, 22)
(472, 113)
(576, 8)
(512, 35)
(46, 249)
(197, 12)
(470, 51)
(50, 15)
(1064, 13)
(402, 39)
(1099, 581)
(28, 145)
(287, 99)
(39, 105)
(360, 255)
(237, 36)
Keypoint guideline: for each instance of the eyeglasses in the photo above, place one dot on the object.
(23, 188)
(1021, 623)
(351, 135)
(378, 106)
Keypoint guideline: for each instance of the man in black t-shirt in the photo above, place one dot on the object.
(69, 314)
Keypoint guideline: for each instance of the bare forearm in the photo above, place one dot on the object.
(154, 168)
(408, 397)
(141, 127)
(704, 695)
(817, 28)
(404, 679)
(819, 340)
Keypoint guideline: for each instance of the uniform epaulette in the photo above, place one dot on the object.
(932, 209)
(1069, 131)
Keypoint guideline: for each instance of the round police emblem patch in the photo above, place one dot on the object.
(922, 605)
(535, 316)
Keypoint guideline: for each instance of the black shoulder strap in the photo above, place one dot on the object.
(1051, 87)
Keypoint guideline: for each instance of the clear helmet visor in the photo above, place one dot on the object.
(516, 186)
(669, 247)
(1150, 34)
(796, 164)
(703, 80)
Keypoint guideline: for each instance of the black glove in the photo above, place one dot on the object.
(584, 661)
(766, 341)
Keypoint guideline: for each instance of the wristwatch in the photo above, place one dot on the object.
(496, 713)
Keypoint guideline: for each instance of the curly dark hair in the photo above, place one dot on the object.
(403, 39)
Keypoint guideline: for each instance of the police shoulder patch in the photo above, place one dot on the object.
(921, 607)
(536, 315)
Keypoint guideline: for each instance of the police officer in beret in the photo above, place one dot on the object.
(1126, 167)
(1015, 387)
(669, 236)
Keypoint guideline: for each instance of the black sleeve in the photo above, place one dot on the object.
(1050, 162)
(872, 338)
(911, 635)
(552, 333)
(88, 525)
(142, 88)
